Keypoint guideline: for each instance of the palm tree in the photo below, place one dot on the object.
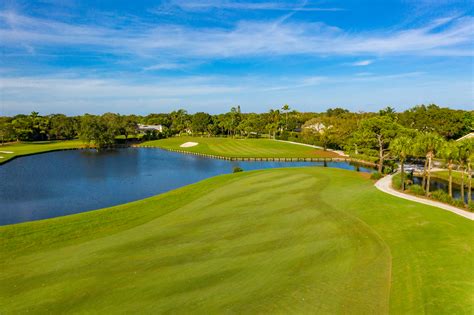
(402, 147)
(419, 152)
(429, 144)
(450, 154)
(286, 109)
(467, 158)
(274, 121)
(469, 174)
(461, 158)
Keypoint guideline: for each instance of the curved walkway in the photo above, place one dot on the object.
(385, 184)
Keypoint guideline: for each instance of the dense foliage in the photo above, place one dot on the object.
(357, 133)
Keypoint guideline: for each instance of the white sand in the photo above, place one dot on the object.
(6, 152)
(189, 144)
(1, 157)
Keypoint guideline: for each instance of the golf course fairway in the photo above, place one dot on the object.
(283, 241)
(240, 148)
(13, 150)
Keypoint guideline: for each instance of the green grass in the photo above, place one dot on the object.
(27, 148)
(445, 176)
(228, 147)
(297, 240)
(214, 146)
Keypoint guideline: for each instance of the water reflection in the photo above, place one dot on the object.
(439, 184)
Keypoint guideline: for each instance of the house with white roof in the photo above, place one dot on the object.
(145, 128)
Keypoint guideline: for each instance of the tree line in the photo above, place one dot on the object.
(361, 134)
(338, 124)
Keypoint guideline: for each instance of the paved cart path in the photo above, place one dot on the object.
(385, 185)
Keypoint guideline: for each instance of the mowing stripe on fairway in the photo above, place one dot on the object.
(298, 240)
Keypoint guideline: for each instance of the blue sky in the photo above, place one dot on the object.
(150, 56)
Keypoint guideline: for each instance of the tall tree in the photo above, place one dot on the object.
(6, 129)
(99, 130)
(401, 147)
(235, 118)
(388, 111)
(273, 123)
(62, 127)
(128, 126)
(466, 158)
(375, 134)
(430, 144)
(286, 108)
(200, 122)
(447, 122)
(180, 121)
(449, 152)
(336, 111)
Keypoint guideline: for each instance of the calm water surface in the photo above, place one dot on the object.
(66, 182)
(438, 184)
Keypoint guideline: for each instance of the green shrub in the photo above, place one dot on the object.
(470, 206)
(376, 175)
(416, 189)
(237, 169)
(442, 196)
(389, 167)
(458, 203)
(397, 181)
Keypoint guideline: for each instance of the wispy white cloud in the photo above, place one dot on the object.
(298, 83)
(164, 66)
(58, 87)
(363, 74)
(243, 5)
(362, 63)
(73, 87)
(443, 37)
(76, 95)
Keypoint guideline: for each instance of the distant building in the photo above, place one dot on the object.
(145, 128)
(468, 136)
(318, 127)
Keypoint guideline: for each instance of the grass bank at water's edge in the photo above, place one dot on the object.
(14, 150)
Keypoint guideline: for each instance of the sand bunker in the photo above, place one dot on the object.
(7, 152)
(189, 144)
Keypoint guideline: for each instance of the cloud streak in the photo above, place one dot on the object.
(362, 63)
(239, 5)
(442, 37)
(76, 95)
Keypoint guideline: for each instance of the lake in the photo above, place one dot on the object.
(439, 184)
(65, 182)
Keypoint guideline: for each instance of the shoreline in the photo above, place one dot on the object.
(270, 159)
(2, 162)
(260, 159)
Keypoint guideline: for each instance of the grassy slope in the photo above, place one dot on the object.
(276, 241)
(229, 147)
(25, 148)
